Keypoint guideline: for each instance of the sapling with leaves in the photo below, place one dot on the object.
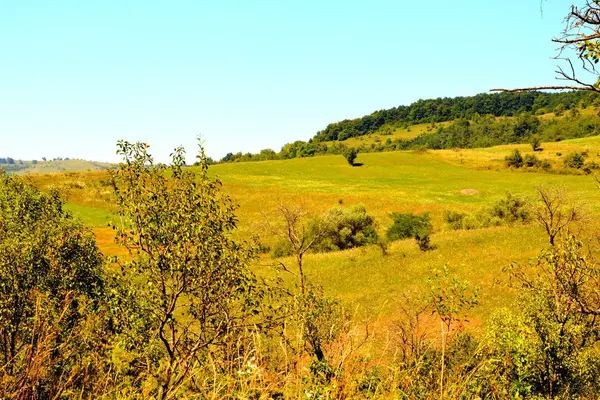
(548, 343)
(192, 278)
(51, 287)
(301, 232)
(450, 300)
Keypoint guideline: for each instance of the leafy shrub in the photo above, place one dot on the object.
(281, 248)
(592, 165)
(510, 209)
(506, 211)
(407, 225)
(535, 142)
(345, 228)
(515, 159)
(350, 155)
(51, 272)
(531, 160)
(574, 160)
(545, 165)
(471, 222)
(547, 347)
(454, 219)
(559, 110)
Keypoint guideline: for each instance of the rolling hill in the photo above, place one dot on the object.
(23, 167)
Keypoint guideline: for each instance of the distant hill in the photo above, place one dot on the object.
(23, 167)
(448, 109)
(483, 120)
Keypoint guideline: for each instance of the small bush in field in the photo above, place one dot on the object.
(281, 249)
(505, 211)
(515, 159)
(531, 160)
(407, 225)
(574, 160)
(350, 155)
(345, 228)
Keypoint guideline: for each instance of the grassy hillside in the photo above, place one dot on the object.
(392, 181)
(407, 182)
(391, 133)
(494, 157)
(47, 167)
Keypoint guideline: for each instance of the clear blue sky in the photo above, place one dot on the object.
(76, 76)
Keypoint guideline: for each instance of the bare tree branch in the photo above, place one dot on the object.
(532, 88)
(580, 35)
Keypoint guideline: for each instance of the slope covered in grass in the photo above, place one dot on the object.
(403, 181)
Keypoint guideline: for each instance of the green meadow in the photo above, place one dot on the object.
(405, 181)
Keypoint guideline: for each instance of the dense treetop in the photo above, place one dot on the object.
(447, 109)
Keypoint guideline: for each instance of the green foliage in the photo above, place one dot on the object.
(450, 298)
(408, 225)
(322, 319)
(510, 209)
(350, 155)
(475, 125)
(446, 109)
(545, 165)
(51, 285)
(281, 248)
(454, 219)
(535, 142)
(190, 279)
(515, 159)
(574, 160)
(505, 211)
(343, 228)
(531, 160)
(548, 344)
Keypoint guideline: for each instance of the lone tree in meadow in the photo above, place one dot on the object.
(350, 155)
(535, 142)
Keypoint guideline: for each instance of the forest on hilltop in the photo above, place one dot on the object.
(477, 121)
(448, 109)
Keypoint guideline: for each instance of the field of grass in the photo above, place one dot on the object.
(407, 182)
(393, 181)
